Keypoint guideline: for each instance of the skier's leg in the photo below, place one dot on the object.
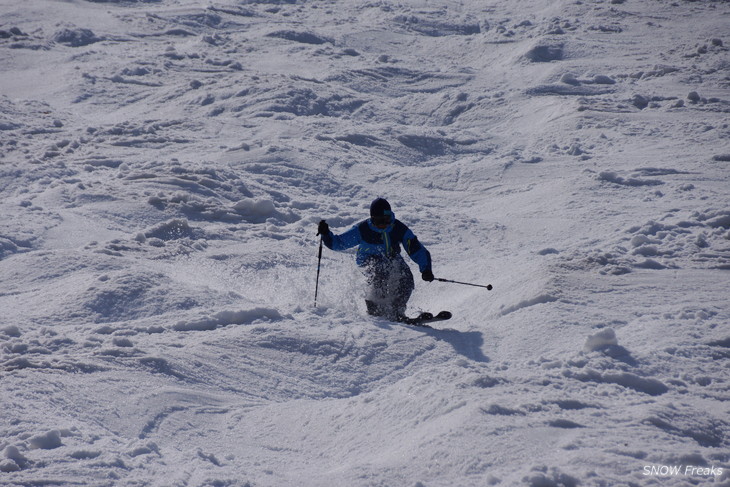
(403, 288)
(373, 308)
(377, 277)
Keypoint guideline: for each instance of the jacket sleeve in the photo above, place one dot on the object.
(416, 251)
(343, 241)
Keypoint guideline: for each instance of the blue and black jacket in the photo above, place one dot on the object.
(376, 244)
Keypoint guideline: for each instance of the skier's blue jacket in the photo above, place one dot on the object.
(377, 244)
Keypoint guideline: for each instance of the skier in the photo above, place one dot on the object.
(379, 241)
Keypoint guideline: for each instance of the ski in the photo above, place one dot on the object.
(424, 318)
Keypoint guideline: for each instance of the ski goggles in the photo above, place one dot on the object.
(382, 220)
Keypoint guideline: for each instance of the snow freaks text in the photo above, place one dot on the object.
(681, 470)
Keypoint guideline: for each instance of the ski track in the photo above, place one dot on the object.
(164, 164)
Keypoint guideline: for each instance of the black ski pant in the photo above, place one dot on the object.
(390, 284)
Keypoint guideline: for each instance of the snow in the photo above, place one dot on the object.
(163, 168)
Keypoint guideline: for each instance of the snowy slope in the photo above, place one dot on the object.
(163, 166)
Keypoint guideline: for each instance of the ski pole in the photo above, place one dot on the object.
(319, 263)
(488, 286)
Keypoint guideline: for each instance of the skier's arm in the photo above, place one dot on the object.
(416, 251)
(343, 241)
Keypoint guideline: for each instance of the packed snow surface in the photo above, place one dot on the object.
(163, 168)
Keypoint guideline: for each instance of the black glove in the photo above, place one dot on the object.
(427, 275)
(323, 228)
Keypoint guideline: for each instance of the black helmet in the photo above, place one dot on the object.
(380, 212)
